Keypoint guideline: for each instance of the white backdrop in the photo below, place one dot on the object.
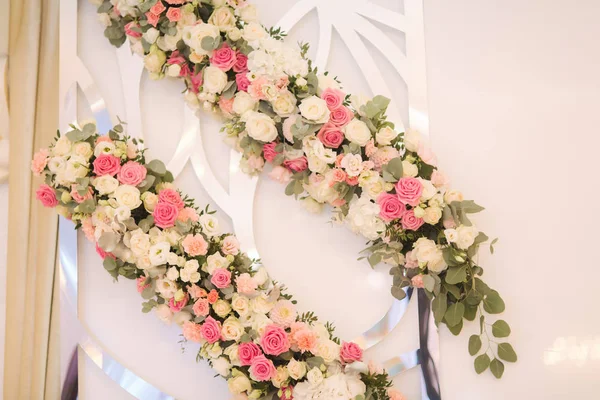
(513, 96)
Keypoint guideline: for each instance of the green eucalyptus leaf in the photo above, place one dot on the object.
(456, 329)
(493, 303)
(398, 292)
(454, 314)
(109, 264)
(500, 329)
(497, 368)
(157, 167)
(109, 241)
(456, 275)
(439, 306)
(428, 282)
(506, 352)
(394, 167)
(482, 363)
(474, 344)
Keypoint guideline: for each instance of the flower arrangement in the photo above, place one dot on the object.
(190, 273)
(330, 148)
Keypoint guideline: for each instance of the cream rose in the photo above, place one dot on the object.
(215, 261)
(385, 136)
(284, 104)
(453, 195)
(155, 60)
(432, 215)
(240, 304)
(260, 127)
(232, 329)
(239, 383)
(281, 376)
(296, 369)
(357, 132)
(328, 350)
(215, 80)
(261, 304)
(412, 138)
(466, 236)
(221, 365)
(428, 252)
(326, 82)
(105, 184)
(222, 308)
(243, 103)
(128, 196)
(409, 169)
(151, 35)
(139, 243)
(248, 13)
(222, 18)
(62, 147)
(83, 149)
(194, 34)
(315, 109)
(253, 31)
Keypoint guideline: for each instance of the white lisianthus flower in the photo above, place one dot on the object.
(122, 213)
(428, 252)
(451, 235)
(234, 34)
(221, 365)
(172, 274)
(194, 34)
(315, 109)
(169, 42)
(284, 104)
(166, 288)
(159, 252)
(76, 168)
(215, 261)
(412, 138)
(296, 369)
(57, 165)
(326, 82)
(352, 163)
(260, 126)
(104, 148)
(215, 80)
(128, 196)
(222, 18)
(164, 313)
(243, 103)
(385, 136)
(466, 236)
(357, 132)
(182, 317)
(253, 32)
(151, 35)
(209, 224)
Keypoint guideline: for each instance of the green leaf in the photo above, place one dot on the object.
(497, 368)
(500, 329)
(109, 264)
(482, 363)
(474, 344)
(470, 207)
(87, 207)
(455, 330)
(108, 241)
(456, 275)
(208, 43)
(439, 306)
(492, 245)
(315, 362)
(493, 303)
(394, 167)
(454, 314)
(398, 292)
(481, 238)
(149, 292)
(157, 166)
(506, 352)
(470, 312)
(428, 282)
(381, 102)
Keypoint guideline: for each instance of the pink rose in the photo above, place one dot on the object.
(410, 221)
(107, 164)
(176, 58)
(246, 284)
(409, 191)
(223, 58)
(141, 284)
(47, 196)
(333, 97)
(350, 352)
(274, 340)
(132, 29)
(297, 164)
(352, 180)
(176, 306)
(40, 159)
(338, 175)
(417, 281)
(331, 136)
(196, 81)
(158, 8)
(230, 245)
(152, 18)
(241, 63)
(165, 215)
(192, 332)
(171, 196)
(174, 14)
(262, 369)
(211, 330)
(247, 352)
(196, 291)
(195, 245)
(187, 214)
(213, 296)
(439, 179)
(79, 198)
(201, 307)
(221, 278)
(132, 173)
(242, 82)
(226, 105)
(341, 116)
(280, 174)
(269, 151)
(390, 207)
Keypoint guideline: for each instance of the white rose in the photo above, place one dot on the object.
(159, 252)
(155, 60)
(432, 215)
(315, 109)
(248, 13)
(172, 273)
(222, 308)
(234, 34)
(150, 200)
(261, 304)
(173, 70)
(385, 136)
(209, 224)
(128, 196)
(215, 80)
(352, 163)
(261, 276)
(428, 252)
(57, 165)
(139, 243)
(215, 261)
(429, 190)
(240, 304)
(284, 104)
(193, 34)
(105, 184)
(281, 376)
(296, 369)
(451, 235)
(239, 384)
(243, 103)
(357, 132)
(328, 350)
(260, 127)
(83, 149)
(221, 365)
(466, 236)
(232, 329)
(326, 82)
(222, 18)
(412, 138)
(62, 147)
(314, 376)
(151, 35)
(409, 169)
(163, 313)
(453, 195)
(76, 168)
(253, 31)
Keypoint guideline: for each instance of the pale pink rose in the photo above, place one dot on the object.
(230, 245)
(242, 82)
(409, 191)
(246, 284)
(338, 160)
(195, 245)
(131, 150)
(338, 175)
(247, 352)
(411, 260)
(305, 339)
(262, 369)
(282, 82)
(196, 291)
(129, 30)
(297, 164)
(171, 196)
(47, 196)
(176, 58)
(174, 14)
(39, 162)
(187, 214)
(176, 306)
(192, 331)
(333, 97)
(331, 136)
(426, 154)
(338, 202)
(211, 330)
(352, 180)
(280, 174)
(269, 151)
(241, 63)
(141, 284)
(201, 307)
(410, 221)
(107, 164)
(221, 278)
(226, 105)
(132, 173)
(152, 18)
(274, 340)
(350, 352)
(255, 88)
(213, 296)
(417, 281)
(79, 198)
(165, 215)
(224, 58)
(341, 116)
(390, 207)
(158, 8)
(439, 179)
(88, 229)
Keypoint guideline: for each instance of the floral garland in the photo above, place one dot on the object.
(330, 148)
(190, 273)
